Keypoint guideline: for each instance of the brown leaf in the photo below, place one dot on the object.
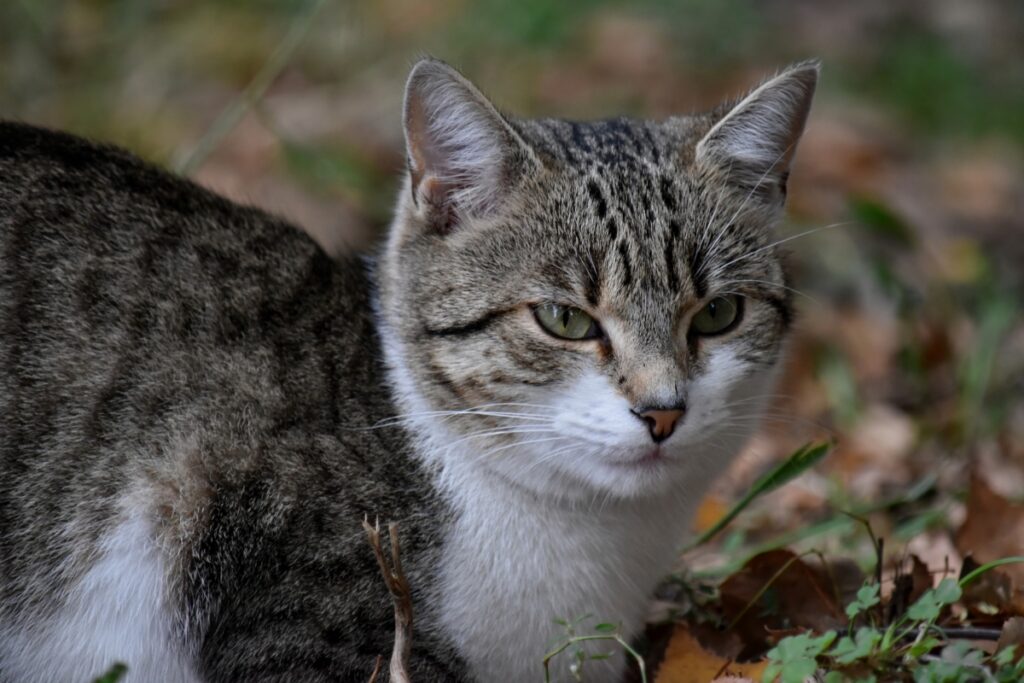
(687, 662)
(777, 591)
(994, 528)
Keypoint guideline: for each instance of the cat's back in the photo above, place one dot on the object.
(122, 285)
(114, 270)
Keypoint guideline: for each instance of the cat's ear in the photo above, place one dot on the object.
(463, 155)
(754, 142)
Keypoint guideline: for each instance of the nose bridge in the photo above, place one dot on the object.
(651, 368)
(655, 380)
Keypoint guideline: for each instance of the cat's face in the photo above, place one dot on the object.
(592, 309)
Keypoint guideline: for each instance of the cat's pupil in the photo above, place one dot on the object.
(713, 309)
(566, 314)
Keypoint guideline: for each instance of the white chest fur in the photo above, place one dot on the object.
(115, 613)
(513, 565)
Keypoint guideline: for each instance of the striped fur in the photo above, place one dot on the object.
(198, 408)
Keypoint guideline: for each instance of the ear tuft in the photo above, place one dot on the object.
(756, 140)
(463, 155)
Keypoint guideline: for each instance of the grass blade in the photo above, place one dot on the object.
(253, 92)
(988, 566)
(796, 464)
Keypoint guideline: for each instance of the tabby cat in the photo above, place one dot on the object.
(570, 331)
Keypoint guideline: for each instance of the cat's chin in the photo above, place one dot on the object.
(627, 474)
(644, 477)
(678, 467)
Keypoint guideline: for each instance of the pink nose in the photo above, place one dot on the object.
(661, 423)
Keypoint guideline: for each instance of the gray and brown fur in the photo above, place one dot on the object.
(155, 336)
(206, 365)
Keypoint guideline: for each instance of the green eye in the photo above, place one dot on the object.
(720, 315)
(566, 322)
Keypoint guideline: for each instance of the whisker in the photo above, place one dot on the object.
(775, 284)
(457, 413)
(483, 410)
(497, 432)
(547, 458)
(492, 451)
(782, 241)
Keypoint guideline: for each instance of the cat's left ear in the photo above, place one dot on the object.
(754, 142)
(464, 157)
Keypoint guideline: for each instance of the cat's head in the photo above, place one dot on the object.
(589, 309)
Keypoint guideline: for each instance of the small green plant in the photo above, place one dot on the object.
(573, 643)
(910, 647)
(795, 658)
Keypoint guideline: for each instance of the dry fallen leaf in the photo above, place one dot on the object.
(774, 593)
(687, 662)
(994, 528)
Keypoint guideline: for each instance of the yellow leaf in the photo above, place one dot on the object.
(687, 662)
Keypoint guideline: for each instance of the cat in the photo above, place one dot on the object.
(570, 330)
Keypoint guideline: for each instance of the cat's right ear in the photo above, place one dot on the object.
(463, 155)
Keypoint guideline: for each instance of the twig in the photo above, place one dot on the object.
(253, 92)
(398, 586)
(965, 632)
(376, 669)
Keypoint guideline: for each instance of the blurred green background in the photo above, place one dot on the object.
(910, 345)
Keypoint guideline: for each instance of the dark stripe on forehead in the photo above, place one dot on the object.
(668, 194)
(464, 329)
(648, 208)
(613, 228)
(598, 197)
(592, 280)
(627, 265)
(697, 275)
(623, 193)
(670, 256)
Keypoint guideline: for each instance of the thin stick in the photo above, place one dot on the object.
(253, 92)
(398, 586)
(376, 669)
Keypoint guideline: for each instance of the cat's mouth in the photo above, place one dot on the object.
(651, 457)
